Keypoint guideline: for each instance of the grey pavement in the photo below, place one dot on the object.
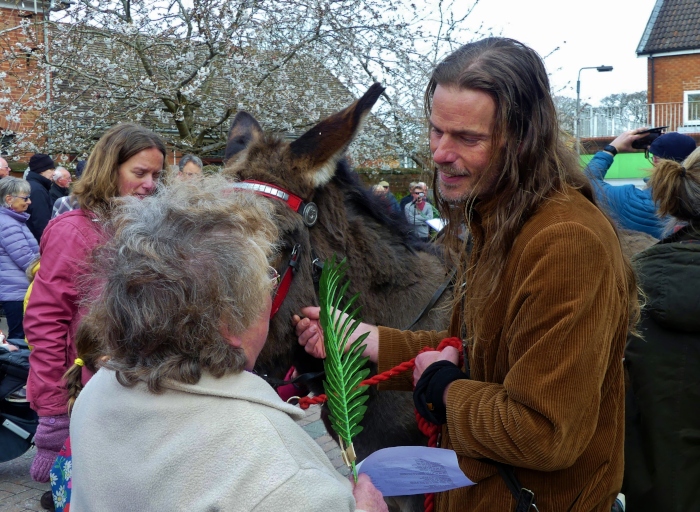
(18, 492)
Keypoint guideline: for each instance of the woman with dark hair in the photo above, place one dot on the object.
(18, 248)
(174, 418)
(662, 446)
(127, 161)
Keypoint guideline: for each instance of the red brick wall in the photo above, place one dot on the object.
(672, 76)
(19, 69)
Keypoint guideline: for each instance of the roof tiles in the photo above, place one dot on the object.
(673, 26)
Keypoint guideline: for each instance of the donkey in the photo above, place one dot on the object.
(322, 209)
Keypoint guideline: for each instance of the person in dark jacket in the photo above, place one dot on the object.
(662, 444)
(633, 208)
(41, 168)
(18, 249)
(61, 184)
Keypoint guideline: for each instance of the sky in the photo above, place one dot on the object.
(588, 33)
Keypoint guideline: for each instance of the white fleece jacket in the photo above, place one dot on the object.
(226, 444)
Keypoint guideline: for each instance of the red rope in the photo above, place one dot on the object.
(305, 402)
(430, 430)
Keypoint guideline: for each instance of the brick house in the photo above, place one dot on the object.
(15, 15)
(671, 43)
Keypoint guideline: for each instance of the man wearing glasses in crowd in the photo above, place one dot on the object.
(633, 208)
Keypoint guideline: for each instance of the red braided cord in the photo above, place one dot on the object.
(305, 402)
(429, 430)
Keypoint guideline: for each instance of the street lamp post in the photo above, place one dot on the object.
(601, 69)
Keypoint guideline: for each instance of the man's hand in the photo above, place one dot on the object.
(309, 331)
(623, 142)
(366, 495)
(310, 334)
(425, 359)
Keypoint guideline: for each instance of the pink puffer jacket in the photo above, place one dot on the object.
(54, 312)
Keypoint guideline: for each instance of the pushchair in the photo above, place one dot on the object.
(18, 422)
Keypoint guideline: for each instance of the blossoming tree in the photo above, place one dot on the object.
(184, 68)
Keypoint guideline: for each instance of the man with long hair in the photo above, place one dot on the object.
(543, 303)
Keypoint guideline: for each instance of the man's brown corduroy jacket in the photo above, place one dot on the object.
(546, 393)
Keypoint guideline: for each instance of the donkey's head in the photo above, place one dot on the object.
(300, 166)
(301, 171)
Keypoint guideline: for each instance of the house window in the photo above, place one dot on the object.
(691, 107)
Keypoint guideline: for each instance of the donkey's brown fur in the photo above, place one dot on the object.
(394, 272)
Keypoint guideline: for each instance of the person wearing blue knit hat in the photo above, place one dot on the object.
(672, 146)
(633, 208)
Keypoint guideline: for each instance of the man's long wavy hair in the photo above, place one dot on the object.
(99, 183)
(528, 152)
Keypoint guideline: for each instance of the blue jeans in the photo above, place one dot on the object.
(14, 311)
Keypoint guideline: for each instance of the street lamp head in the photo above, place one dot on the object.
(600, 69)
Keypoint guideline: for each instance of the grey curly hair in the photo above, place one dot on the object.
(183, 266)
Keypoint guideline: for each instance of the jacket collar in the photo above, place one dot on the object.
(21, 217)
(64, 190)
(35, 176)
(242, 386)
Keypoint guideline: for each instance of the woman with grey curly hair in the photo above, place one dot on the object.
(175, 412)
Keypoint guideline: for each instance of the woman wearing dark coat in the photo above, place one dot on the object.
(18, 248)
(662, 445)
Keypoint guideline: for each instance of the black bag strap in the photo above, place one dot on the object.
(524, 498)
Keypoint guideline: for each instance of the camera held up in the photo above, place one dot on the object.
(651, 135)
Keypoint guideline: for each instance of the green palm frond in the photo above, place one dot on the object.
(345, 370)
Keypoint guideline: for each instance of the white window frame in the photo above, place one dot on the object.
(686, 110)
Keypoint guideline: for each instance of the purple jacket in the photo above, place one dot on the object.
(18, 249)
(54, 312)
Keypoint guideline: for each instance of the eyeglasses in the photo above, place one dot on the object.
(274, 278)
(648, 156)
(25, 198)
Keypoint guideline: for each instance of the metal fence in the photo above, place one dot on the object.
(611, 121)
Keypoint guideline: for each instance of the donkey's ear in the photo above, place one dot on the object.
(319, 149)
(244, 128)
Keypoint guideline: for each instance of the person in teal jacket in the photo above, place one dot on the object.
(634, 208)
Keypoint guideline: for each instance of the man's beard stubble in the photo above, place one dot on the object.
(483, 188)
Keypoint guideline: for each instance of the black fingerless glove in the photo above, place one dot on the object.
(431, 386)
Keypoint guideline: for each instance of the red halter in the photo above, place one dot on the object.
(308, 212)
